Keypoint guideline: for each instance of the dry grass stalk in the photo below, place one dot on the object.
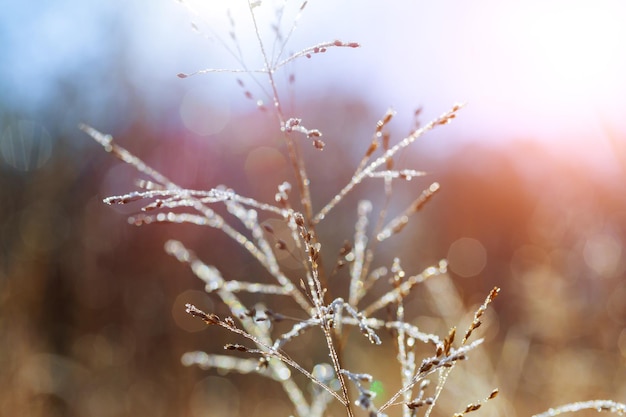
(163, 194)
(598, 405)
(335, 318)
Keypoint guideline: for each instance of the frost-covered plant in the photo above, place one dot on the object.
(294, 206)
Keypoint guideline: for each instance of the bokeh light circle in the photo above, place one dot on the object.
(467, 257)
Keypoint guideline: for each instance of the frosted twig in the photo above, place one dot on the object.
(181, 197)
(477, 405)
(357, 178)
(317, 293)
(226, 363)
(365, 395)
(295, 125)
(109, 145)
(371, 323)
(286, 38)
(405, 174)
(405, 357)
(479, 313)
(216, 70)
(297, 162)
(448, 343)
(213, 280)
(398, 223)
(208, 216)
(236, 55)
(378, 136)
(431, 365)
(296, 330)
(405, 287)
(267, 349)
(212, 218)
(598, 405)
(339, 305)
(249, 219)
(360, 245)
(319, 48)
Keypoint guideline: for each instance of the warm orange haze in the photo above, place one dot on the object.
(523, 190)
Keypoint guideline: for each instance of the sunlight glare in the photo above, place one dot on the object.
(576, 47)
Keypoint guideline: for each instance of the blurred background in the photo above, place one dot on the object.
(532, 172)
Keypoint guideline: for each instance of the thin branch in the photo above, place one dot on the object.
(213, 319)
(431, 365)
(598, 405)
(357, 178)
(405, 287)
